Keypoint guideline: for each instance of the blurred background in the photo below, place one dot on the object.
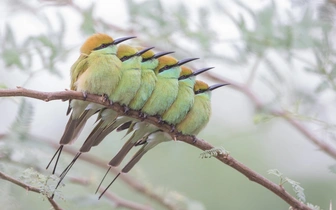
(279, 57)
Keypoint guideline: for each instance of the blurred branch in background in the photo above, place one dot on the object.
(281, 57)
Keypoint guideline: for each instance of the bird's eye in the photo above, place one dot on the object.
(200, 91)
(102, 46)
(165, 68)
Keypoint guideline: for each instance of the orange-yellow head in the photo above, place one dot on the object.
(100, 41)
(200, 86)
(125, 50)
(165, 62)
(185, 72)
(95, 41)
(148, 54)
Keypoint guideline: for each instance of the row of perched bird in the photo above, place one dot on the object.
(156, 84)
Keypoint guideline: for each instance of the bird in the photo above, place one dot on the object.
(185, 96)
(199, 114)
(96, 63)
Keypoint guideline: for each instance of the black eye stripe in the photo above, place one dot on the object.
(200, 91)
(167, 67)
(102, 46)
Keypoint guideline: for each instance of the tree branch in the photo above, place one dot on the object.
(199, 143)
(28, 187)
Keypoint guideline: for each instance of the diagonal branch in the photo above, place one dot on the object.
(199, 143)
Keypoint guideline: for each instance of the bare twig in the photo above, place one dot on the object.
(29, 188)
(117, 201)
(254, 68)
(201, 144)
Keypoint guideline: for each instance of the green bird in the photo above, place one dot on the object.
(166, 87)
(130, 70)
(199, 115)
(96, 71)
(185, 96)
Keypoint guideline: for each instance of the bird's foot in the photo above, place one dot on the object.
(194, 139)
(126, 109)
(143, 116)
(172, 129)
(160, 120)
(104, 97)
(85, 95)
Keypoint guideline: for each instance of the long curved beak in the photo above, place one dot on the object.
(119, 40)
(200, 71)
(143, 51)
(213, 87)
(184, 61)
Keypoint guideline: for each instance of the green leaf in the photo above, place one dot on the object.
(275, 172)
(261, 118)
(297, 189)
(214, 152)
(332, 168)
(322, 87)
(314, 207)
(11, 58)
(21, 125)
(3, 86)
(87, 26)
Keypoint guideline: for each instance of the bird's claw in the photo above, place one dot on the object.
(126, 109)
(104, 97)
(85, 95)
(143, 116)
(160, 120)
(194, 140)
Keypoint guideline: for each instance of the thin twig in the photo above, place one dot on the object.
(117, 201)
(254, 68)
(201, 144)
(121, 202)
(29, 188)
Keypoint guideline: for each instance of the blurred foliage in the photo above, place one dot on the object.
(295, 185)
(214, 152)
(275, 50)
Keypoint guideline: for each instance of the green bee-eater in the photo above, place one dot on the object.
(185, 96)
(96, 71)
(199, 114)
